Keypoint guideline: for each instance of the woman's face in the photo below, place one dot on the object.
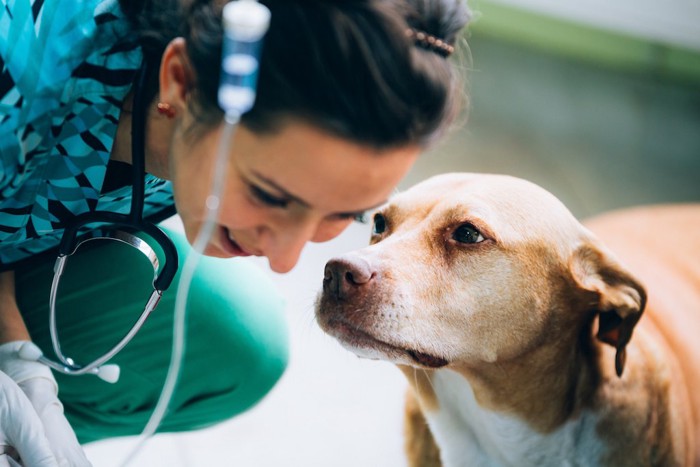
(282, 189)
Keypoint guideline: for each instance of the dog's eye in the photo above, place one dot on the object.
(379, 224)
(467, 233)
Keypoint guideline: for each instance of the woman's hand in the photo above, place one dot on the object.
(31, 416)
(21, 431)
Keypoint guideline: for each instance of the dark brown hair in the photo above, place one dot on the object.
(345, 66)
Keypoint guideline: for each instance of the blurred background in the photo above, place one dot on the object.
(598, 101)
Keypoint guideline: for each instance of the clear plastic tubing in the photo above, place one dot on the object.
(245, 25)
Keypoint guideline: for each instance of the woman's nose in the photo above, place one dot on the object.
(283, 245)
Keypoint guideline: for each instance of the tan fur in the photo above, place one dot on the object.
(421, 449)
(668, 263)
(541, 319)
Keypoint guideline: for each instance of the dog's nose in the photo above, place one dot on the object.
(344, 276)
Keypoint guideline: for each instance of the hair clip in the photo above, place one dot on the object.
(430, 42)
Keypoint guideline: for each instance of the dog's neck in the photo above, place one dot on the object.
(544, 387)
(532, 407)
(470, 435)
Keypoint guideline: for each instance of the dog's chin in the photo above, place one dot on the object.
(365, 345)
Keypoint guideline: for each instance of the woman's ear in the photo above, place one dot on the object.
(176, 76)
(619, 298)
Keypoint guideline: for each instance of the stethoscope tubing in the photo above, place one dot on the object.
(69, 366)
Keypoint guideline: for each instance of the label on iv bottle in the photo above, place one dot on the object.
(239, 98)
(237, 90)
(240, 65)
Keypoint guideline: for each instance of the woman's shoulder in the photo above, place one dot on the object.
(48, 43)
(54, 57)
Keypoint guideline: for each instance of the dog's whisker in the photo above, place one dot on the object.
(429, 380)
(416, 386)
(307, 319)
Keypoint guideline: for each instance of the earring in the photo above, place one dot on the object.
(166, 109)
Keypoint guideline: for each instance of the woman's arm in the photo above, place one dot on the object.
(31, 416)
(12, 326)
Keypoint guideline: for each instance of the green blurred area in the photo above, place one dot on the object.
(585, 43)
(602, 120)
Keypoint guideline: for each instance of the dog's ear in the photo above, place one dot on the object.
(616, 295)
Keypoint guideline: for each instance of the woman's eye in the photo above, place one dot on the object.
(379, 224)
(360, 217)
(267, 198)
(467, 233)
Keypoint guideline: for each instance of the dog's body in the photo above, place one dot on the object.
(512, 323)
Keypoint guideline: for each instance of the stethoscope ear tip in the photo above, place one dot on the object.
(108, 373)
(30, 352)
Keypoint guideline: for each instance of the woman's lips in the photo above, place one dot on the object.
(229, 244)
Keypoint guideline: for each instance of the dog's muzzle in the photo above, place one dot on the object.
(352, 294)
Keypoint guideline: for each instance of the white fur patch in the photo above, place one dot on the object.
(469, 435)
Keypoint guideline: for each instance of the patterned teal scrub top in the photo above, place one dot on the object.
(65, 68)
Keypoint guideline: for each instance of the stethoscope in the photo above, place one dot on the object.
(119, 228)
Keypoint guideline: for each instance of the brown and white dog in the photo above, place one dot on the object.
(514, 325)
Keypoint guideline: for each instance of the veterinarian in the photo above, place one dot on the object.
(349, 93)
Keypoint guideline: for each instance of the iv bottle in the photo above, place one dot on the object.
(245, 25)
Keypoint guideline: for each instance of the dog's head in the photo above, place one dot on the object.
(473, 269)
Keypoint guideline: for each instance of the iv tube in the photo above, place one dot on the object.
(245, 24)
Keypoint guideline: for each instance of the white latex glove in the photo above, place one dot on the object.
(21, 430)
(31, 416)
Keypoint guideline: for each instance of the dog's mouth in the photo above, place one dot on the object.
(358, 340)
(425, 359)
